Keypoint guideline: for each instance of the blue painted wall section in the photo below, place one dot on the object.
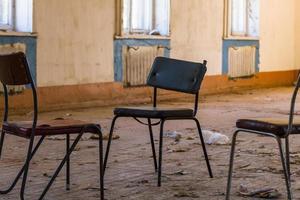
(238, 43)
(118, 48)
(30, 43)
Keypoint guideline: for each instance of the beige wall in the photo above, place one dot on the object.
(196, 32)
(297, 23)
(277, 35)
(75, 37)
(197, 29)
(75, 41)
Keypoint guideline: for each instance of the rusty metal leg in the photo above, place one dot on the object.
(1, 142)
(152, 144)
(287, 153)
(109, 142)
(160, 151)
(71, 149)
(229, 178)
(204, 148)
(26, 166)
(22, 169)
(68, 163)
(284, 166)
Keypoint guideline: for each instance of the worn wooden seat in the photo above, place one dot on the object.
(49, 127)
(153, 112)
(14, 70)
(277, 126)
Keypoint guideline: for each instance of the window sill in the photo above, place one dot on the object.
(240, 38)
(14, 33)
(141, 37)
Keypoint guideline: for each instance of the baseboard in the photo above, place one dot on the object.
(110, 94)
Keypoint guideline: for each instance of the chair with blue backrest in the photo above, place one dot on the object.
(168, 74)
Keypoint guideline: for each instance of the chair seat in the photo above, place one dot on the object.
(276, 126)
(50, 127)
(153, 112)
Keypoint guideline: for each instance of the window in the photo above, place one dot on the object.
(16, 15)
(5, 14)
(242, 18)
(150, 17)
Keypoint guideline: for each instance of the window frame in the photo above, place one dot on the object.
(11, 20)
(120, 33)
(12, 27)
(227, 29)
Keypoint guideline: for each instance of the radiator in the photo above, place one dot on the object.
(137, 62)
(11, 48)
(241, 61)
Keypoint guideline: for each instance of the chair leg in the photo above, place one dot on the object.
(68, 163)
(109, 142)
(152, 144)
(285, 170)
(22, 169)
(229, 179)
(1, 142)
(26, 166)
(71, 149)
(287, 152)
(204, 148)
(101, 168)
(161, 132)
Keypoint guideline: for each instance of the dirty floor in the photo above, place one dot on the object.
(130, 173)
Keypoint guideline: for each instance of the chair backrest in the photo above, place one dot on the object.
(176, 75)
(14, 69)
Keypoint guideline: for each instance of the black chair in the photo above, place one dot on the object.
(169, 74)
(278, 128)
(14, 70)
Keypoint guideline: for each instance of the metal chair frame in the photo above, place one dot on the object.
(33, 149)
(285, 159)
(161, 122)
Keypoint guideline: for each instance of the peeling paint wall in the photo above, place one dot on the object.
(11, 48)
(196, 32)
(75, 41)
(277, 35)
(297, 24)
(75, 37)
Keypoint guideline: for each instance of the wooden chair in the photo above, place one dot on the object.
(277, 128)
(14, 70)
(169, 74)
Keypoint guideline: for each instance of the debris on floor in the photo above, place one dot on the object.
(178, 173)
(105, 137)
(181, 194)
(90, 188)
(84, 137)
(266, 193)
(68, 114)
(177, 149)
(56, 137)
(45, 174)
(173, 134)
(244, 166)
(212, 137)
(143, 181)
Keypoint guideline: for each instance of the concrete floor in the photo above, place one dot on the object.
(130, 173)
